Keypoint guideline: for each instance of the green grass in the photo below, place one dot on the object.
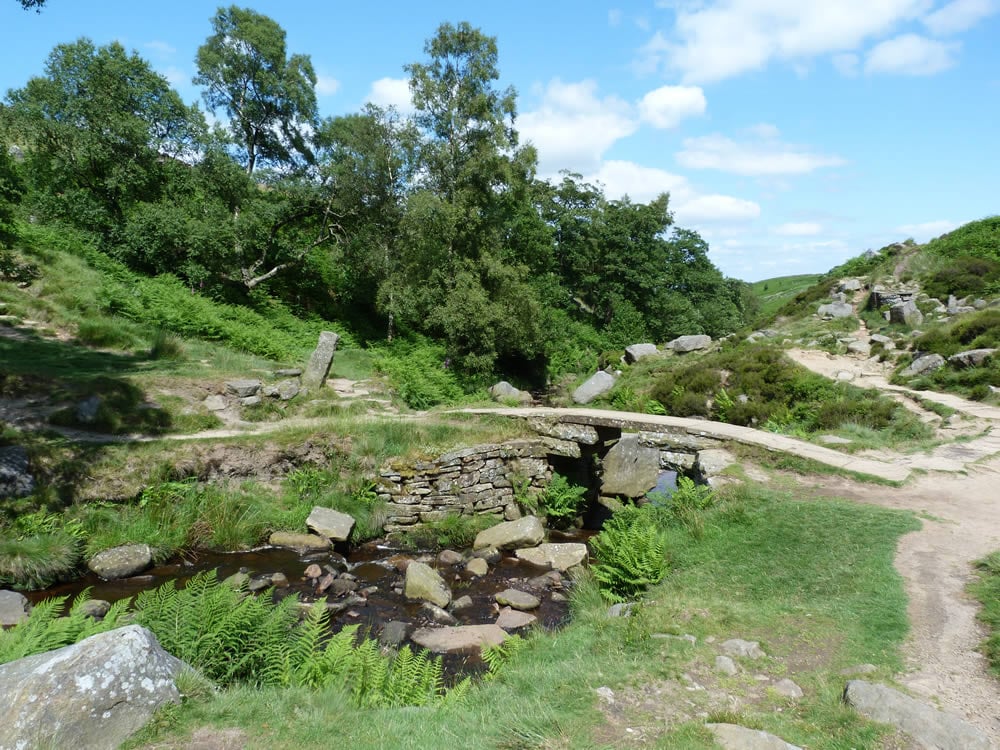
(813, 582)
(37, 561)
(774, 293)
(987, 590)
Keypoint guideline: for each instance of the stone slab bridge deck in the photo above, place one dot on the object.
(634, 422)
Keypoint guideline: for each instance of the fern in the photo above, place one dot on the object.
(631, 554)
(497, 657)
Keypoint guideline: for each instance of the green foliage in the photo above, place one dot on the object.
(979, 239)
(165, 345)
(38, 560)
(979, 330)
(420, 373)
(630, 553)
(498, 657)
(686, 505)
(46, 629)
(963, 276)
(987, 590)
(11, 190)
(560, 501)
(453, 531)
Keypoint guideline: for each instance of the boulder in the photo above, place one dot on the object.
(596, 385)
(461, 604)
(88, 409)
(971, 358)
(835, 310)
(520, 600)
(300, 542)
(450, 557)
(438, 615)
(630, 468)
(711, 463)
(330, 523)
(576, 433)
(504, 391)
(394, 633)
(243, 388)
(215, 402)
(285, 390)
(851, 285)
(860, 347)
(886, 342)
(512, 619)
(635, 352)
(121, 562)
(930, 727)
(94, 694)
(923, 364)
(684, 344)
(459, 639)
(524, 532)
(560, 557)
(14, 608)
(478, 567)
(788, 689)
(735, 737)
(725, 665)
(16, 479)
(744, 649)
(95, 608)
(320, 361)
(906, 313)
(424, 583)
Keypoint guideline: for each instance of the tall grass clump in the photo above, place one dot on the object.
(37, 550)
(987, 590)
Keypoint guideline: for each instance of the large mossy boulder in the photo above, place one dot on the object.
(121, 562)
(426, 584)
(524, 532)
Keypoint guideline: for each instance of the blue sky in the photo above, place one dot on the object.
(792, 134)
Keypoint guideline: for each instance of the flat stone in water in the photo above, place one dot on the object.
(512, 619)
(459, 639)
(515, 599)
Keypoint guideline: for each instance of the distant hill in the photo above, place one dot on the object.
(774, 293)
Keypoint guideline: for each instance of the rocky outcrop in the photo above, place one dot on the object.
(906, 313)
(121, 562)
(459, 639)
(320, 361)
(16, 479)
(630, 468)
(524, 532)
(684, 344)
(886, 342)
(835, 310)
(743, 649)
(923, 364)
(928, 726)
(635, 352)
(94, 694)
(425, 584)
(504, 391)
(971, 358)
(559, 557)
(596, 385)
(14, 608)
(330, 523)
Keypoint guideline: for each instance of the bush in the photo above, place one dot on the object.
(630, 553)
(686, 505)
(980, 239)
(962, 276)
(419, 373)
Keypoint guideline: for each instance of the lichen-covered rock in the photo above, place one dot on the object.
(320, 361)
(560, 557)
(735, 737)
(577, 433)
(478, 567)
(330, 523)
(635, 352)
(243, 388)
(94, 694)
(906, 313)
(16, 479)
(835, 310)
(301, 542)
(121, 562)
(971, 357)
(596, 385)
(504, 391)
(923, 364)
(630, 468)
(14, 608)
(424, 583)
(684, 344)
(520, 600)
(459, 639)
(524, 532)
(745, 649)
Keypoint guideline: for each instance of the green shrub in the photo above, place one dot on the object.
(962, 276)
(980, 239)
(561, 502)
(630, 554)
(166, 345)
(452, 531)
(987, 590)
(38, 561)
(419, 373)
(686, 505)
(111, 333)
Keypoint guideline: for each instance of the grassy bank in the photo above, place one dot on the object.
(987, 590)
(813, 582)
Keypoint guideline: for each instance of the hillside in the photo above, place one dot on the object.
(773, 293)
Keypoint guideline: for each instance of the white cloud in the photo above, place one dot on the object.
(927, 230)
(713, 208)
(161, 49)
(327, 85)
(392, 92)
(764, 157)
(176, 77)
(573, 127)
(764, 130)
(614, 17)
(666, 106)
(959, 15)
(911, 54)
(718, 39)
(798, 229)
(846, 64)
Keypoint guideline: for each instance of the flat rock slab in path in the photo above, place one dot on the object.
(735, 737)
(459, 639)
(511, 619)
(932, 729)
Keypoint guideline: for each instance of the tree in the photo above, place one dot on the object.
(37, 5)
(99, 130)
(269, 98)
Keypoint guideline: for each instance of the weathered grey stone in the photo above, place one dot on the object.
(788, 689)
(478, 567)
(87, 410)
(835, 310)
(121, 562)
(438, 615)
(330, 523)
(684, 344)
(250, 400)
(215, 402)
(286, 390)
(972, 357)
(512, 619)
(596, 385)
(94, 694)
(320, 361)
(744, 649)
(630, 468)
(712, 463)
(504, 391)
(726, 665)
(243, 388)
(459, 639)
(288, 372)
(301, 542)
(621, 609)
(394, 633)
(923, 364)
(906, 313)
(14, 608)
(424, 583)
(635, 352)
(450, 557)
(851, 285)
(524, 532)
(577, 433)
(735, 737)
(931, 728)
(520, 600)
(885, 341)
(560, 557)
(860, 347)
(460, 604)
(16, 479)
(95, 608)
